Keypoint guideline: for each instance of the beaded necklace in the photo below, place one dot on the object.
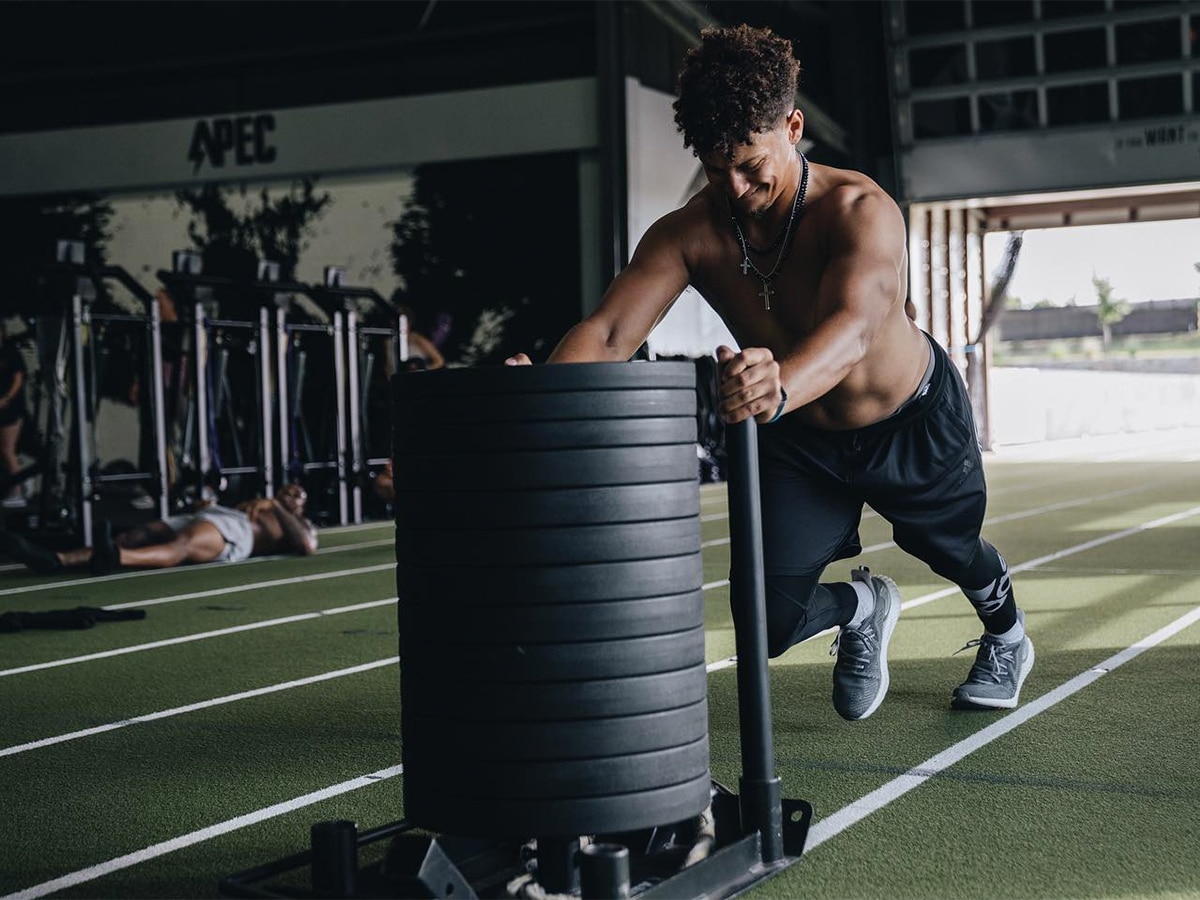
(747, 265)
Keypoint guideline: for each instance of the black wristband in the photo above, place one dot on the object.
(779, 409)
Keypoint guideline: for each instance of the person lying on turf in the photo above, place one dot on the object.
(258, 527)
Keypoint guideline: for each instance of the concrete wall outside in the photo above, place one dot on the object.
(1032, 405)
(1151, 317)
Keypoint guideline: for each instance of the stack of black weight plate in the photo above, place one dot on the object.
(551, 614)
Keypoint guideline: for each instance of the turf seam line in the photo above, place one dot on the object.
(849, 815)
(186, 840)
(194, 707)
(1036, 511)
(254, 586)
(198, 636)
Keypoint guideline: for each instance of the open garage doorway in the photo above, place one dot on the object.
(1070, 315)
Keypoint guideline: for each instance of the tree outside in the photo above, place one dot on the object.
(481, 271)
(1110, 309)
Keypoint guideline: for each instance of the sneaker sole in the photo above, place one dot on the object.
(889, 625)
(963, 701)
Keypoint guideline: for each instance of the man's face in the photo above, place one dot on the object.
(759, 172)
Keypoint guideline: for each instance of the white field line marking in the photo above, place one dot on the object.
(64, 882)
(254, 586)
(1010, 517)
(151, 573)
(714, 517)
(193, 707)
(837, 822)
(1066, 551)
(1039, 510)
(1019, 567)
(918, 601)
(361, 526)
(826, 828)
(199, 636)
(822, 831)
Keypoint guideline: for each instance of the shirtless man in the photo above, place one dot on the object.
(806, 264)
(257, 527)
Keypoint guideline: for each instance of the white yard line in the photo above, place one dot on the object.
(254, 586)
(91, 873)
(825, 829)
(835, 823)
(193, 707)
(199, 636)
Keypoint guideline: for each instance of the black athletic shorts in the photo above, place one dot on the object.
(920, 469)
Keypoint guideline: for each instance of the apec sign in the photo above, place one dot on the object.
(240, 139)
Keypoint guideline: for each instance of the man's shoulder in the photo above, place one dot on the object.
(687, 229)
(847, 189)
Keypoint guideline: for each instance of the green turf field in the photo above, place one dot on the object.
(151, 758)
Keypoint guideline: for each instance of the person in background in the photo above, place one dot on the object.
(258, 527)
(12, 413)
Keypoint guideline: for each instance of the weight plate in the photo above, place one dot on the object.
(592, 376)
(461, 773)
(411, 414)
(564, 740)
(518, 470)
(527, 661)
(568, 584)
(431, 507)
(559, 545)
(458, 435)
(482, 622)
(425, 693)
(429, 806)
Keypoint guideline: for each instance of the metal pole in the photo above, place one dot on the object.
(339, 374)
(264, 402)
(761, 796)
(160, 414)
(78, 320)
(281, 391)
(402, 337)
(356, 452)
(204, 451)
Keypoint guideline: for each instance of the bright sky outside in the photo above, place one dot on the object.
(1142, 261)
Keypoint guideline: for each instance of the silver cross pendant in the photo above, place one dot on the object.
(745, 265)
(765, 293)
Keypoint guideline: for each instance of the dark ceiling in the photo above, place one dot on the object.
(71, 64)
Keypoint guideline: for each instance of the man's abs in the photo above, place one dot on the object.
(883, 381)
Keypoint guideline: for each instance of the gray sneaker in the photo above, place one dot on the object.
(860, 675)
(1000, 669)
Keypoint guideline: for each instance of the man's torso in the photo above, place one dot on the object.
(897, 357)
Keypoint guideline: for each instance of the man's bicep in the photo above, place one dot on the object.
(643, 291)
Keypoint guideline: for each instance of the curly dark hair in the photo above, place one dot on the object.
(740, 80)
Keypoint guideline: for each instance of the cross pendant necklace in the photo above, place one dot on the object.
(747, 265)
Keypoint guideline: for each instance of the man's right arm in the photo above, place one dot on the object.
(634, 303)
